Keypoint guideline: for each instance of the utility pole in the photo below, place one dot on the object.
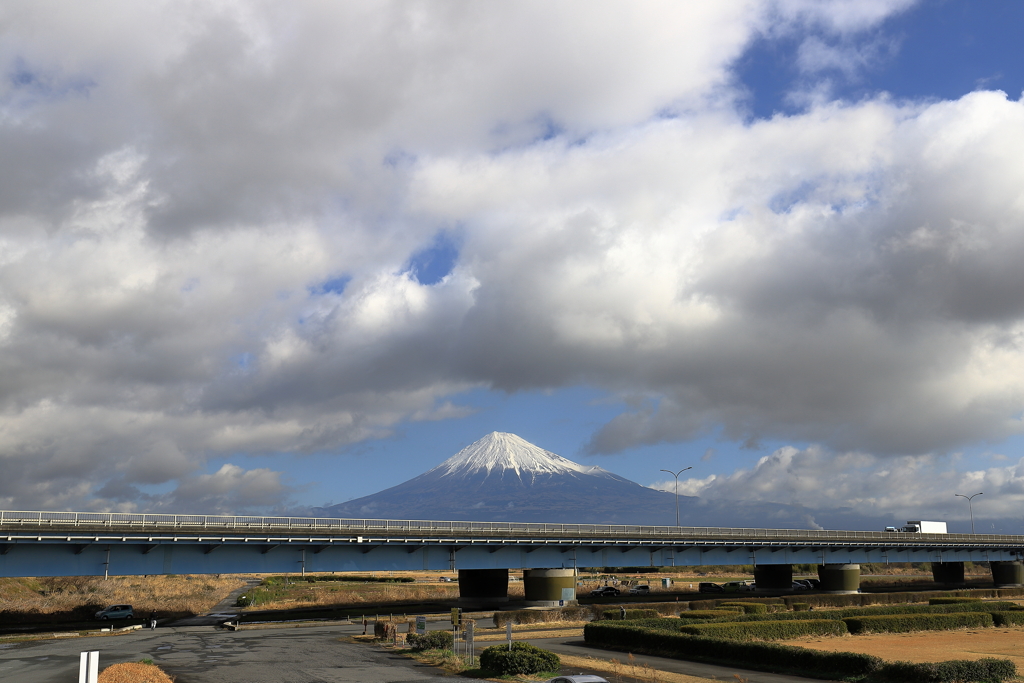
(676, 475)
(969, 506)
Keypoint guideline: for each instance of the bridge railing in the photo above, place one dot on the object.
(329, 525)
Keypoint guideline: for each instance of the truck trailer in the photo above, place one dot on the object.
(925, 528)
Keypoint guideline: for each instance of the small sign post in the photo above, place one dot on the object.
(508, 634)
(89, 667)
(421, 624)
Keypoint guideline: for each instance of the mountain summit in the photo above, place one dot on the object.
(501, 454)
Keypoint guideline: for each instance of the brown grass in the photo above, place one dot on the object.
(929, 646)
(133, 673)
(163, 594)
(341, 594)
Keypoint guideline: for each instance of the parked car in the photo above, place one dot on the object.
(800, 586)
(116, 612)
(447, 579)
(738, 587)
(604, 591)
(640, 590)
(710, 588)
(812, 584)
(579, 678)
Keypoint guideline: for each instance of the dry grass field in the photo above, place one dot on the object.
(76, 594)
(929, 646)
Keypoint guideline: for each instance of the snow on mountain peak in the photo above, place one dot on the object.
(502, 451)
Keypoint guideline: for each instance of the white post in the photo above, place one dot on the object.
(89, 667)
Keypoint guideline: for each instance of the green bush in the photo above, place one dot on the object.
(631, 614)
(1015, 618)
(904, 623)
(522, 658)
(748, 607)
(431, 640)
(998, 606)
(762, 656)
(707, 614)
(801, 607)
(951, 601)
(767, 630)
(953, 671)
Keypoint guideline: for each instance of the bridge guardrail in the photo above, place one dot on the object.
(159, 522)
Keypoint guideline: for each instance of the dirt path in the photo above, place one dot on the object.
(930, 646)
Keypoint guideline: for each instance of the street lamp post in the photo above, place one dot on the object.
(969, 506)
(676, 475)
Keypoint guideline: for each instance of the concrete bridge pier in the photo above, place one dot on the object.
(546, 587)
(839, 578)
(774, 578)
(949, 573)
(1007, 574)
(483, 586)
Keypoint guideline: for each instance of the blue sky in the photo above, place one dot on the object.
(775, 240)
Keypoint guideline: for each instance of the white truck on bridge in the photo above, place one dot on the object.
(925, 527)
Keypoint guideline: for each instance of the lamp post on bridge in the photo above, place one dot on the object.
(676, 475)
(969, 506)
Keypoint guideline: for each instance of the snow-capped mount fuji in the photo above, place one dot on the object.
(503, 477)
(506, 455)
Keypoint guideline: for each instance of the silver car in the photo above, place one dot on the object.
(579, 678)
(116, 612)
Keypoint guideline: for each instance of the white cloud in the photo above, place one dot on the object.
(207, 214)
(901, 488)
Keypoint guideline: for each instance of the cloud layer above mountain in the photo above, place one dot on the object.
(217, 222)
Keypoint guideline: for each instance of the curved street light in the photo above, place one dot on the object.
(969, 506)
(676, 475)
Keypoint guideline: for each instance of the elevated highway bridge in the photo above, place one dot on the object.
(84, 543)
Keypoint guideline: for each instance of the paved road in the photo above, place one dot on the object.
(205, 655)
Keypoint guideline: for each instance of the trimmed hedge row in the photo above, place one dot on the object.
(904, 623)
(711, 603)
(530, 616)
(631, 614)
(1008, 618)
(905, 597)
(953, 671)
(750, 607)
(779, 658)
(522, 658)
(708, 614)
(768, 630)
(748, 654)
(887, 610)
(951, 601)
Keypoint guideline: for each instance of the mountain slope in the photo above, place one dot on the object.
(504, 478)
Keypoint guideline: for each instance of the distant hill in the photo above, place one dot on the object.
(504, 478)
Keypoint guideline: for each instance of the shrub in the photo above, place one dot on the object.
(706, 614)
(1015, 618)
(431, 640)
(951, 601)
(631, 614)
(754, 655)
(522, 658)
(953, 671)
(904, 623)
(768, 630)
(748, 607)
(801, 607)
